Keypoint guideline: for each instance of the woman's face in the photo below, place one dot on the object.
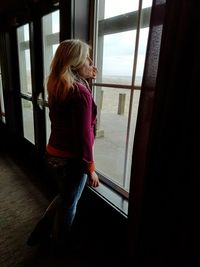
(86, 70)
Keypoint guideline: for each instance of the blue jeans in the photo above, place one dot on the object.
(70, 179)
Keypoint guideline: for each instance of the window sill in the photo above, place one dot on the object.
(113, 198)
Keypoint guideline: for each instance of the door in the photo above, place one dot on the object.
(36, 42)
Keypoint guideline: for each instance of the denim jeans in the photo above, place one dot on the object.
(70, 179)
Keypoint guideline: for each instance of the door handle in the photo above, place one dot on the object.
(41, 102)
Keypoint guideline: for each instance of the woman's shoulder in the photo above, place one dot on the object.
(82, 89)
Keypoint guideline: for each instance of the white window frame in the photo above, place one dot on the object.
(134, 20)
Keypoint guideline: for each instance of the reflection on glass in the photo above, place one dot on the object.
(24, 60)
(27, 115)
(110, 143)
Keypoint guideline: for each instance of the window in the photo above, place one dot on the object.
(25, 82)
(51, 28)
(2, 109)
(121, 34)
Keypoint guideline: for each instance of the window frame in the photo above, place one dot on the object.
(134, 20)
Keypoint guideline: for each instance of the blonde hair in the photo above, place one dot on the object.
(69, 57)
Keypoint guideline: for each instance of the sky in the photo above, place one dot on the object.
(119, 48)
(117, 7)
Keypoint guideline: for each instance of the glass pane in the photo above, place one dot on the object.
(146, 3)
(27, 115)
(116, 64)
(118, 7)
(55, 21)
(51, 28)
(24, 60)
(141, 55)
(48, 124)
(134, 112)
(110, 143)
(2, 109)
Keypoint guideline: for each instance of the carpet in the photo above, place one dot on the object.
(21, 205)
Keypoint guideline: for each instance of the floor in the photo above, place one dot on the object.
(23, 199)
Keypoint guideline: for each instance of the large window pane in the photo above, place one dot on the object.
(113, 154)
(110, 144)
(116, 65)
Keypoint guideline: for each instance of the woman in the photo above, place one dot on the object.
(72, 112)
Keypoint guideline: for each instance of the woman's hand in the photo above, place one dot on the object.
(94, 72)
(93, 179)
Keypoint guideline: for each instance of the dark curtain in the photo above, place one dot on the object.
(163, 209)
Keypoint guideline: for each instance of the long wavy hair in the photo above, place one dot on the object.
(69, 57)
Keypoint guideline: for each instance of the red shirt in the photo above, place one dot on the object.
(72, 126)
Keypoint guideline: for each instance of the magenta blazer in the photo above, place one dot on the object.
(73, 125)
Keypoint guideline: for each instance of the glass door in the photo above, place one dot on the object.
(23, 40)
(36, 44)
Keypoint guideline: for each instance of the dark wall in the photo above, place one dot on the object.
(104, 229)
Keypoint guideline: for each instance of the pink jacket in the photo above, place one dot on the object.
(73, 126)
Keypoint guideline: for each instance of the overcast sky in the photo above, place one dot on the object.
(119, 48)
(117, 7)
